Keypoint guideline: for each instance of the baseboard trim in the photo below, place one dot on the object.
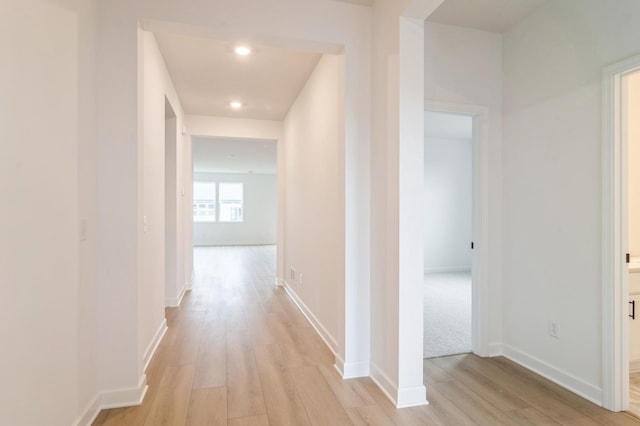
(155, 342)
(124, 397)
(409, 396)
(566, 380)
(279, 282)
(89, 413)
(412, 396)
(351, 370)
(328, 339)
(447, 269)
(112, 399)
(174, 302)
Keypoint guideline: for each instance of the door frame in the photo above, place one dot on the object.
(480, 222)
(615, 285)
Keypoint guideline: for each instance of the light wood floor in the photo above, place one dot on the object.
(239, 353)
(634, 393)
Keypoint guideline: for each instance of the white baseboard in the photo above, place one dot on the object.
(174, 302)
(89, 413)
(351, 370)
(410, 396)
(566, 380)
(151, 349)
(329, 340)
(279, 282)
(124, 397)
(447, 269)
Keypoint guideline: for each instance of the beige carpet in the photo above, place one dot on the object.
(447, 314)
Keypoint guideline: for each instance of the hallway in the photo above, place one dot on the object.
(238, 352)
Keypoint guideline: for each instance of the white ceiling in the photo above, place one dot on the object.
(447, 125)
(207, 75)
(233, 155)
(487, 15)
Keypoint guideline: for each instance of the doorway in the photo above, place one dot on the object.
(235, 187)
(448, 196)
(619, 232)
(631, 137)
(464, 269)
(174, 287)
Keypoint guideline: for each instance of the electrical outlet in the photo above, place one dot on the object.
(554, 329)
(300, 280)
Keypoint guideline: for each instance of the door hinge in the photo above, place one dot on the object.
(627, 257)
(471, 245)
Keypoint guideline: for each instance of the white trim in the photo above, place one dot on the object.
(155, 342)
(615, 336)
(447, 269)
(174, 302)
(189, 284)
(123, 397)
(279, 282)
(351, 370)
(402, 398)
(480, 257)
(586, 390)
(412, 396)
(324, 334)
(118, 398)
(90, 413)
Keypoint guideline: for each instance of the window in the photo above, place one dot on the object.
(231, 198)
(228, 198)
(204, 201)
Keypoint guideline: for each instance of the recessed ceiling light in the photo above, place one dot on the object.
(242, 50)
(235, 104)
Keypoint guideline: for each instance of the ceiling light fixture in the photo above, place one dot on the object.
(235, 104)
(242, 50)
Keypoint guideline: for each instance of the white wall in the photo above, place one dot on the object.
(153, 294)
(397, 244)
(313, 146)
(131, 289)
(260, 208)
(447, 200)
(632, 83)
(47, 182)
(471, 74)
(553, 64)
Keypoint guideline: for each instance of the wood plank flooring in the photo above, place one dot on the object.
(634, 393)
(238, 352)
